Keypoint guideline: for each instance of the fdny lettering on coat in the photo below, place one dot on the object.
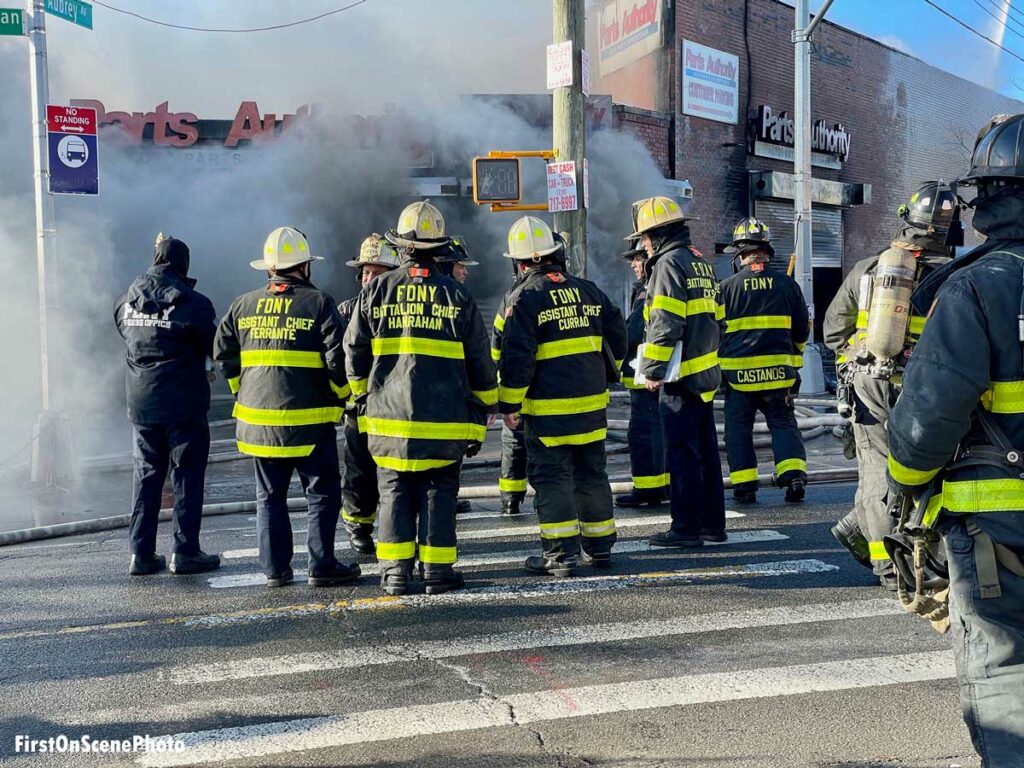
(415, 306)
(757, 283)
(703, 279)
(569, 310)
(135, 318)
(272, 320)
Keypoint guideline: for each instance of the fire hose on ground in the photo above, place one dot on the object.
(98, 525)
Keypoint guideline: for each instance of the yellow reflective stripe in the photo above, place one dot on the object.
(499, 323)
(285, 358)
(759, 361)
(487, 396)
(233, 384)
(358, 386)
(876, 550)
(275, 451)
(842, 359)
(743, 476)
(657, 352)
(410, 465)
(424, 430)
(972, 496)
(599, 529)
(907, 476)
(917, 325)
(563, 347)
(561, 406)
(647, 312)
(581, 439)
(402, 550)
(1004, 397)
(698, 364)
(758, 323)
(800, 346)
(931, 512)
(707, 397)
(862, 320)
(790, 465)
(512, 486)
(628, 383)
(784, 384)
(436, 555)
(364, 519)
(650, 481)
(296, 417)
(416, 345)
(667, 303)
(563, 530)
(510, 395)
(341, 392)
(361, 424)
(495, 354)
(720, 312)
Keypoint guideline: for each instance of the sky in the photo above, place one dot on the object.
(345, 58)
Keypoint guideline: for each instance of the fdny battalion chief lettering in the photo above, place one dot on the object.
(410, 309)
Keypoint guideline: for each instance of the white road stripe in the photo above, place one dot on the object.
(484, 533)
(498, 558)
(298, 663)
(261, 740)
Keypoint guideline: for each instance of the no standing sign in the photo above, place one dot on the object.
(74, 166)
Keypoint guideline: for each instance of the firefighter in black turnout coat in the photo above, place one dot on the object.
(563, 342)
(766, 327)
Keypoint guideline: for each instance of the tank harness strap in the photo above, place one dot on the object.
(985, 561)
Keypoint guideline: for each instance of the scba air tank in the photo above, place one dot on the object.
(890, 303)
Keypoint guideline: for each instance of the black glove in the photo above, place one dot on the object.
(473, 449)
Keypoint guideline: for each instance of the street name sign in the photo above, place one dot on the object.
(74, 11)
(12, 22)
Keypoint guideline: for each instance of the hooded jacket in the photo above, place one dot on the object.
(279, 347)
(846, 321)
(969, 359)
(167, 327)
(556, 333)
(682, 308)
(766, 326)
(417, 350)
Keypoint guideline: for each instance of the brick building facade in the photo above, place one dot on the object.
(908, 122)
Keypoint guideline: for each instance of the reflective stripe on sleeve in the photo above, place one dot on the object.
(341, 392)
(1004, 397)
(907, 476)
(758, 323)
(297, 417)
(499, 323)
(512, 396)
(358, 386)
(415, 345)
(281, 358)
(234, 383)
(424, 430)
(563, 347)
(657, 352)
(561, 406)
(486, 396)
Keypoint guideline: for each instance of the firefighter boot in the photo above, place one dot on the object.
(361, 542)
(145, 566)
(200, 562)
(601, 560)
(280, 579)
(640, 497)
(717, 537)
(442, 579)
(334, 575)
(462, 506)
(744, 495)
(795, 491)
(511, 506)
(558, 568)
(395, 581)
(671, 538)
(847, 532)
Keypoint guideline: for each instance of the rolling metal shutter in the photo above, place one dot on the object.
(827, 231)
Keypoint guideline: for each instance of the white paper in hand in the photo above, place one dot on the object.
(671, 373)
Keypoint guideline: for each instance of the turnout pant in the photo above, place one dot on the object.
(873, 401)
(359, 493)
(646, 443)
(417, 508)
(512, 481)
(321, 483)
(574, 499)
(694, 466)
(184, 448)
(787, 446)
(988, 644)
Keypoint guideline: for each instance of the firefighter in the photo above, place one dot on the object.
(512, 478)
(167, 327)
(645, 437)
(957, 432)
(861, 316)
(766, 327)
(279, 347)
(359, 494)
(562, 343)
(681, 310)
(416, 354)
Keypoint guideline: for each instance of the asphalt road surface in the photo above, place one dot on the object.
(775, 649)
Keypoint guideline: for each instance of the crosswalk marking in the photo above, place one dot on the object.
(489, 711)
(498, 558)
(298, 663)
(466, 596)
(485, 533)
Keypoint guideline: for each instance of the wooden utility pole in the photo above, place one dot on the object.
(568, 130)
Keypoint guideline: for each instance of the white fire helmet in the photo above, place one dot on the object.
(284, 248)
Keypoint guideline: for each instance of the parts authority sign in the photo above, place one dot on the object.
(74, 161)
